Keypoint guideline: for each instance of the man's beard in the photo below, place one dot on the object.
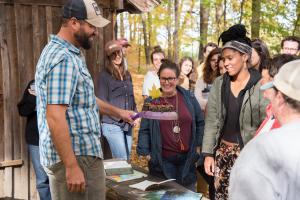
(83, 39)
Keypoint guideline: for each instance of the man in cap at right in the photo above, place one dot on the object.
(268, 167)
(290, 45)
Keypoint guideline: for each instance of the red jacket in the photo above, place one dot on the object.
(269, 116)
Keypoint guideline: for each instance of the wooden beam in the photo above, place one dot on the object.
(35, 2)
(101, 3)
(11, 163)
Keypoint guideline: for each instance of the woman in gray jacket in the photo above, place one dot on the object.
(235, 109)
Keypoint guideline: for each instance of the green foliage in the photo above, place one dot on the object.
(278, 18)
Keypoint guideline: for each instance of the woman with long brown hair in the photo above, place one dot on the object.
(115, 87)
(210, 72)
(187, 77)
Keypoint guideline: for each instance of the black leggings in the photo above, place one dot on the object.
(209, 180)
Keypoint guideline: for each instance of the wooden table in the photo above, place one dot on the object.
(122, 191)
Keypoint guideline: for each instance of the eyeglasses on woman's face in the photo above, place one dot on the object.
(167, 79)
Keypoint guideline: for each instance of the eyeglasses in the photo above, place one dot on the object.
(169, 79)
(289, 49)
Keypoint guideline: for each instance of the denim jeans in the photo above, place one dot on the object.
(119, 141)
(42, 181)
(93, 170)
(173, 169)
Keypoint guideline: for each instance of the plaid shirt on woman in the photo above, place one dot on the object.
(63, 78)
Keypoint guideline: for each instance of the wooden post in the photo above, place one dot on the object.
(6, 102)
(49, 21)
(1, 117)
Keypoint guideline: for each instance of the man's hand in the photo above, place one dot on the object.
(126, 115)
(107, 109)
(209, 165)
(75, 179)
(56, 118)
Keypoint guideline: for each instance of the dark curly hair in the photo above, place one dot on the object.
(167, 64)
(209, 74)
(278, 61)
(236, 32)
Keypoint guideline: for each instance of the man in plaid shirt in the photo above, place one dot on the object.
(68, 111)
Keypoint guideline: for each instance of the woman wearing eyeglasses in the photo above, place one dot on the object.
(115, 87)
(170, 146)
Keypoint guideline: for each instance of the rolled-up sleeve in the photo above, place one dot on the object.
(61, 82)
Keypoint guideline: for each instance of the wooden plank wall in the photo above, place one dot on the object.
(24, 29)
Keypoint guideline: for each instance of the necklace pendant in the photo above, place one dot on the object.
(176, 129)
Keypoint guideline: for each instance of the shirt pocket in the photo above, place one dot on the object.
(87, 77)
(121, 88)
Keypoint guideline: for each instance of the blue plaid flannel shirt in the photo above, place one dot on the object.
(62, 77)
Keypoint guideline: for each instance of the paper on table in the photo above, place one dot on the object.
(147, 185)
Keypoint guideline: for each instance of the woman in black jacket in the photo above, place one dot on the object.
(27, 108)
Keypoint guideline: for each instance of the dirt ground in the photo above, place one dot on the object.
(137, 84)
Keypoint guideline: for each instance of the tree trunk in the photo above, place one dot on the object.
(146, 47)
(139, 49)
(225, 12)
(136, 26)
(296, 30)
(150, 30)
(122, 31)
(169, 25)
(242, 11)
(175, 33)
(186, 18)
(131, 25)
(204, 17)
(255, 20)
(219, 13)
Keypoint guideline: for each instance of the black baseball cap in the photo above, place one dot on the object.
(87, 10)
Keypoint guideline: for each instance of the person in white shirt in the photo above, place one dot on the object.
(151, 78)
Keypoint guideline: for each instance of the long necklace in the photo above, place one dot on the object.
(176, 127)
